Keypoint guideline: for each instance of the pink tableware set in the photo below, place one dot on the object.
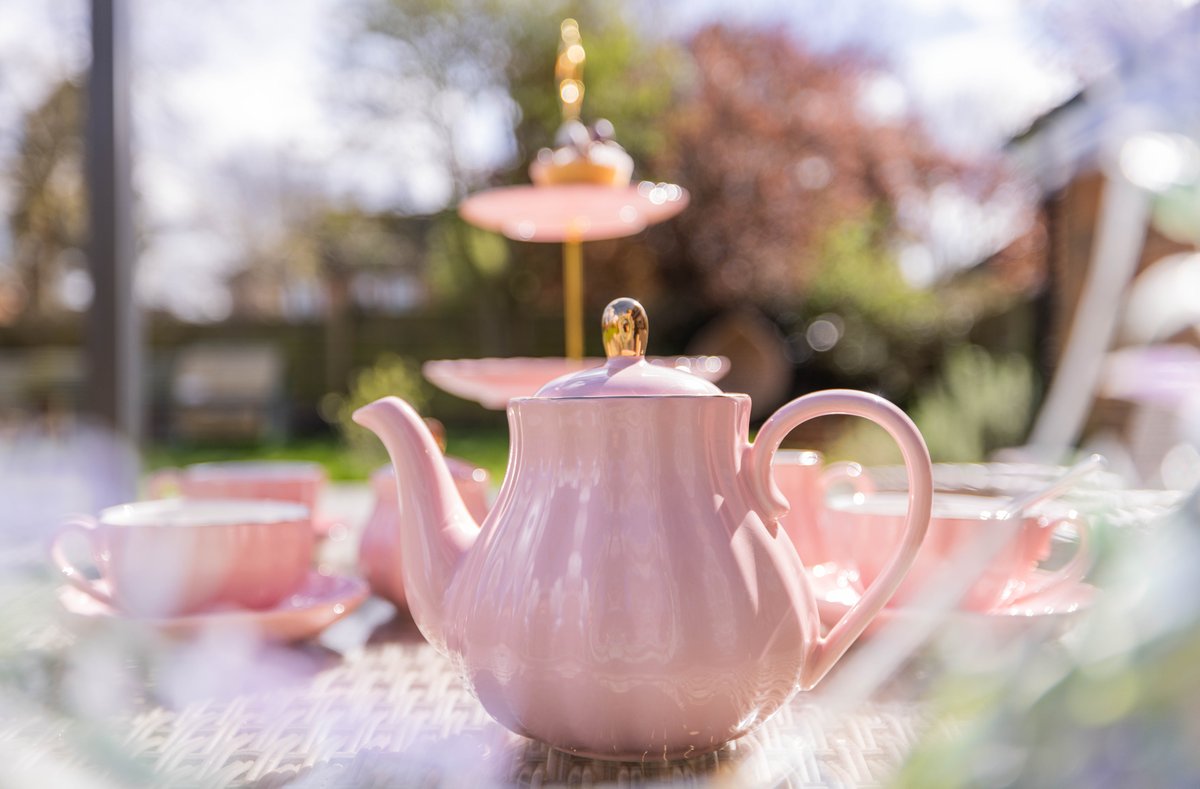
(648, 583)
(235, 550)
(639, 587)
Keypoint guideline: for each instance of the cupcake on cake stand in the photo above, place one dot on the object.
(581, 191)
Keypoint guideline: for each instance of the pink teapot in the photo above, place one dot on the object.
(630, 594)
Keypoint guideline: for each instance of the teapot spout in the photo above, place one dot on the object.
(437, 530)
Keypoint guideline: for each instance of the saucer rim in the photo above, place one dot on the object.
(1014, 611)
(356, 592)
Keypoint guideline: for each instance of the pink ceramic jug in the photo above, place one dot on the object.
(379, 550)
(630, 594)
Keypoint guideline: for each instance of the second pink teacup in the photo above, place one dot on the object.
(278, 480)
(805, 481)
(177, 556)
(861, 533)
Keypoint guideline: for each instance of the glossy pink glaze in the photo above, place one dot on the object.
(862, 536)
(379, 551)
(629, 594)
(153, 568)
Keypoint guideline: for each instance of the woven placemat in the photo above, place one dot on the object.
(389, 713)
(396, 714)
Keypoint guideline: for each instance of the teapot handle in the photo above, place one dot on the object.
(824, 652)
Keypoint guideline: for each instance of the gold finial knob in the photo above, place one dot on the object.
(568, 70)
(626, 328)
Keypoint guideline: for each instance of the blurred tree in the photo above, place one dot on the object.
(978, 403)
(343, 242)
(48, 220)
(390, 375)
(779, 146)
(331, 246)
(433, 68)
(804, 193)
(437, 71)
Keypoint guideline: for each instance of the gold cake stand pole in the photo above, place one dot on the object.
(573, 297)
(568, 72)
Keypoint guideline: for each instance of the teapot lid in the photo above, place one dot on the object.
(627, 373)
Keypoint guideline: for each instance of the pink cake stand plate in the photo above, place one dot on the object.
(493, 382)
(573, 212)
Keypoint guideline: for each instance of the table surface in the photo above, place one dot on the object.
(367, 704)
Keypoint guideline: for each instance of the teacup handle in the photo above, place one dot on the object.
(824, 652)
(85, 527)
(1070, 573)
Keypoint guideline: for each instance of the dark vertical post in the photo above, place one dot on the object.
(114, 342)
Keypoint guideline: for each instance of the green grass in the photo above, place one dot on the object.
(487, 448)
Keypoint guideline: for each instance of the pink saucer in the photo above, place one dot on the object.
(321, 601)
(583, 212)
(1055, 607)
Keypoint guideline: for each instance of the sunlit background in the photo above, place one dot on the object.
(987, 212)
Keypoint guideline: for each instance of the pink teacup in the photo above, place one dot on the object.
(805, 481)
(178, 556)
(862, 532)
(278, 480)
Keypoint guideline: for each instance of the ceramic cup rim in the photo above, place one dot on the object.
(946, 507)
(798, 457)
(193, 513)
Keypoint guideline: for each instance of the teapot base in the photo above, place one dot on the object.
(688, 756)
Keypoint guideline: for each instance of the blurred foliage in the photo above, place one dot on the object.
(886, 327)
(630, 78)
(1175, 211)
(1116, 705)
(484, 447)
(979, 403)
(890, 334)
(340, 461)
(352, 238)
(857, 274)
(391, 375)
(47, 216)
(460, 254)
(776, 148)
(457, 53)
(443, 64)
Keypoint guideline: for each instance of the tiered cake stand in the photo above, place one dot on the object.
(570, 214)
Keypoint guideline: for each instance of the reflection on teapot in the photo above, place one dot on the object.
(630, 593)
